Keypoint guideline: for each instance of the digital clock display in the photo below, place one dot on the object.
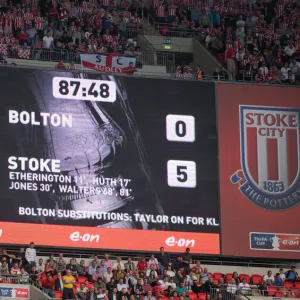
(84, 89)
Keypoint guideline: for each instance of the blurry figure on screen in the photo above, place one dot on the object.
(103, 147)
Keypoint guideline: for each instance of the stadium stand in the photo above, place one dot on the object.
(256, 40)
(157, 276)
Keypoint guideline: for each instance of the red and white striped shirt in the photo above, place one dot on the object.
(280, 10)
(8, 20)
(19, 22)
(156, 3)
(11, 41)
(160, 11)
(28, 18)
(108, 38)
(172, 11)
(127, 14)
(105, 2)
(39, 23)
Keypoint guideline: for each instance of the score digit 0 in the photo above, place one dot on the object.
(180, 128)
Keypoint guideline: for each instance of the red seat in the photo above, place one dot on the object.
(257, 279)
(215, 280)
(278, 294)
(271, 290)
(192, 296)
(202, 296)
(82, 279)
(297, 285)
(228, 277)
(76, 285)
(217, 275)
(242, 276)
(210, 275)
(288, 285)
(58, 295)
(294, 293)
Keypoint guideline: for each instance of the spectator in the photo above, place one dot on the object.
(170, 272)
(72, 267)
(81, 271)
(177, 264)
(20, 258)
(181, 288)
(102, 267)
(149, 296)
(152, 262)
(281, 274)
(119, 273)
(163, 259)
(152, 268)
(291, 275)
(111, 285)
(68, 281)
(60, 65)
(107, 262)
(108, 275)
(129, 265)
(81, 292)
(15, 270)
(99, 284)
(34, 274)
(236, 278)
(40, 266)
(58, 283)
(97, 274)
(204, 276)
(48, 285)
(92, 294)
(50, 268)
(278, 281)
(48, 41)
(118, 263)
(142, 265)
(244, 287)
(24, 276)
(146, 286)
(61, 266)
(232, 286)
(30, 255)
(121, 285)
(152, 278)
(138, 288)
(268, 280)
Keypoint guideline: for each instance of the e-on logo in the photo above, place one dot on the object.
(86, 237)
(171, 242)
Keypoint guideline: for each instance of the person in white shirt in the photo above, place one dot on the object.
(232, 287)
(151, 269)
(244, 287)
(118, 263)
(295, 67)
(281, 275)
(268, 279)
(108, 275)
(170, 272)
(40, 266)
(30, 255)
(284, 71)
(289, 49)
(153, 262)
(121, 285)
(48, 40)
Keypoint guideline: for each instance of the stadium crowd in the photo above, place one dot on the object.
(46, 29)
(157, 277)
(256, 39)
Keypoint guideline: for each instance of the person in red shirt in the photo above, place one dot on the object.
(142, 265)
(22, 36)
(60, 65)
(48, 285)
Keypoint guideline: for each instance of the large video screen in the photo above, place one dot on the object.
(258, 129)
(100, 161)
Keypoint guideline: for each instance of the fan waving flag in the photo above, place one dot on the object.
(107, 63)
